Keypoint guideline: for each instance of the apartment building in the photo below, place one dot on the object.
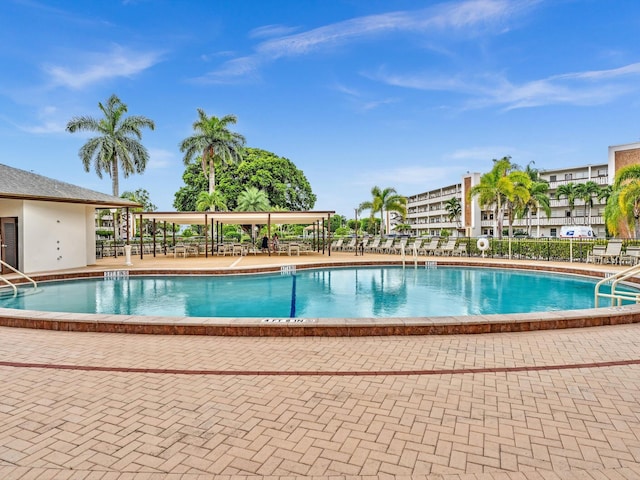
(428, 216)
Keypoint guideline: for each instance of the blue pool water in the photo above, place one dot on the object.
(328, 293)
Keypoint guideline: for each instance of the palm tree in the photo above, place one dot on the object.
(604, 193)
(538, 200)
(517, 194)
(117, 145)
(586, 192)
(385, 201)
(623, 205)
(503, 188)
(568, 190)
(213, 142)
(538, 197)
(211, 201)
(253, 200)
(454, 210)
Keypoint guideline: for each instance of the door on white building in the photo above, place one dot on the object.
(8, 243)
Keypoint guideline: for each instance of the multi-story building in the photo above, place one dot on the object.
(428, 216)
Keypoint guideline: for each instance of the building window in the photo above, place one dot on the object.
(554, 232)
(567, 213)
(568, 176)
(552, 178)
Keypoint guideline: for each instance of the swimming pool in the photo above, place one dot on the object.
(362, 292)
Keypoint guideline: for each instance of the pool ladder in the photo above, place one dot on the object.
(617, 296)
(11, 284)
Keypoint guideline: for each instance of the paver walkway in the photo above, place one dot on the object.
(557, 404)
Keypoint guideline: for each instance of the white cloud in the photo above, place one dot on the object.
(406, 176)
(267, 31)
(159, 158)
(49, 121)
(96, 67)
(466, 17)
(484, 154)
(593, 87)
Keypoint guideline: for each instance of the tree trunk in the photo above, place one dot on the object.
(212, 176)
(114, 177)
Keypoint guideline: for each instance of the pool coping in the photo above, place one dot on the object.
(326, 327)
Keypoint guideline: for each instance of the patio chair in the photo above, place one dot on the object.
(595, 255)
(410, 247)
(460, 250)
(631, 256)
(430, 248)
(336, 245)
(351, 246)
(447, 248)
(386, 246)
(371, 247)
(613, 251)
(397, 248)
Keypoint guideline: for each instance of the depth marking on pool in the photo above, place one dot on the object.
(288, 320)
(446, 371)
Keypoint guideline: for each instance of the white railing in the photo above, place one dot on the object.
(618, 296)
(12, 285)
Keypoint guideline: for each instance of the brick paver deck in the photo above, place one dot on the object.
(356, 408)
(554, 404)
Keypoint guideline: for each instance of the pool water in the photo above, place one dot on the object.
(328, 293)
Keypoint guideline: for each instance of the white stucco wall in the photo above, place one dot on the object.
(54, 236)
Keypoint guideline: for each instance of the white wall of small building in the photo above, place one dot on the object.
(56, 236)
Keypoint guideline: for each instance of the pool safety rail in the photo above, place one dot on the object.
(11, 284)
(616, 295)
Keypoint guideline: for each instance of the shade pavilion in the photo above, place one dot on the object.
(215, 220)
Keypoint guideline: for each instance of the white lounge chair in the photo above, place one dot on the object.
(430, 248)
(613, 251)
(447, 248)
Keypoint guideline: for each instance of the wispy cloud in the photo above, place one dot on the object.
(466, 17)
(160, 159)
(97, 67)
(270, 31)
(405, 176)
(48, 121)
(593, 87)
(359, 99)
(485, 153)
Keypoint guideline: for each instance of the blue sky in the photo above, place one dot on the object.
(357, 93)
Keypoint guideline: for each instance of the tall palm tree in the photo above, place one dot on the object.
(516, 195)
(570, 191)
(385, 201)
(454, 210)
(117, 145)
(604, 193)
(213, 142)
(538, 200)
(585, 192)
(504, 189)
(253, 200)
(623, 206)
(538, 197)
(211, 201)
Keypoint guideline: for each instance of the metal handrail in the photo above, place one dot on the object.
(5, 264)
(615, 279)
(15, 289)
